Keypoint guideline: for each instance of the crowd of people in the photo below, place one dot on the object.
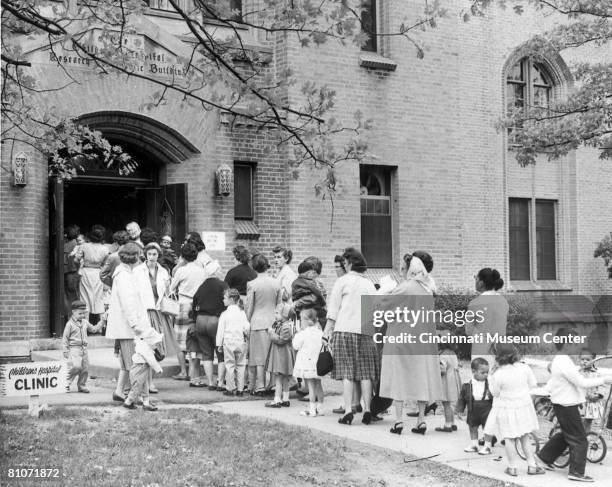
(266, 331)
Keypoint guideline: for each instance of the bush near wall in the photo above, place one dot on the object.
(522, 314)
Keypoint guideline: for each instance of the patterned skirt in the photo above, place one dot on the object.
(355, 357)
(181, 325)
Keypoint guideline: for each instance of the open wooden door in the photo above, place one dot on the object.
(164, 209)
(56, 257)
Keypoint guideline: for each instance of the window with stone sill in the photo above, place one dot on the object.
(368, 25)
(528, 86)
(243, 191)
(376, 221)
(532, 239)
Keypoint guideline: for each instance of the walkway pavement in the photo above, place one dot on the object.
(444, 448)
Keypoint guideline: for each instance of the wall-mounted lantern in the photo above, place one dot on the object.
(20, 169)
(224, 180)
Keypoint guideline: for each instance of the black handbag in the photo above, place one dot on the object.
(325, 362)
(159, 355)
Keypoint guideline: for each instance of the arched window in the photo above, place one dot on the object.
(528, 85)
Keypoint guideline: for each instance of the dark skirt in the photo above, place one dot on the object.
(355, 357)
(162, 323)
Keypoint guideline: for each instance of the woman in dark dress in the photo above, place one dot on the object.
(238, 276)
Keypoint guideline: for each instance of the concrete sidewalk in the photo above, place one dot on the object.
(445, 448)
(103, 363)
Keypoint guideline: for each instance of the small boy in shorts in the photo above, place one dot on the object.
(75, 344)
(478, 400)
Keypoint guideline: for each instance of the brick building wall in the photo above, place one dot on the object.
(24, 249)
(434, 125)
(434, 119)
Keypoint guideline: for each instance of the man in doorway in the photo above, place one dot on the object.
(133, 230)
(71, 275)
(168, 258)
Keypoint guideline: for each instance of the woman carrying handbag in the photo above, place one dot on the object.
(153, 285)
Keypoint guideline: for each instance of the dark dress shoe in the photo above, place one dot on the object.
(274, 405)
(118, 398)
(431, 408)
(397, 428)
(84, 390)
(445, 429)
(346, 419)
(149, 407)
(367, 417)
(285, 404)
(229, 393)
(239, 393)
(420, 429)
(129, 406)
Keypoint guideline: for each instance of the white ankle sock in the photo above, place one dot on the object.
(285, 395)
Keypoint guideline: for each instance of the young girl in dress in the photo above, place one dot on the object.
(593, 408)
(281, 357)
(451, 384)
(308, 343)
(513, 416)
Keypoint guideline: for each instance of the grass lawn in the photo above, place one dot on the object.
(189, 447)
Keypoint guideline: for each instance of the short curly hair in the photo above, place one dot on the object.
(195, 239)
(316, 262)
(189, 252)
(129, 253)
(358, 262)
(241, 253)
(121, 237)
(260, 263)
(506, 354)
(287, 254)
(97, 233)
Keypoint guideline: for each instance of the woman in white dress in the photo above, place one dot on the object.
(91, 256)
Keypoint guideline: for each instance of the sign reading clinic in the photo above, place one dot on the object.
(33, 378)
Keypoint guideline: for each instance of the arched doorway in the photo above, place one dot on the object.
(100, 195)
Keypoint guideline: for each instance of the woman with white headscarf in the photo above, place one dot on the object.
(411, 371)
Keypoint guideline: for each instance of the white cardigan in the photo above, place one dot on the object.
(144, 285)
(127, 314)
